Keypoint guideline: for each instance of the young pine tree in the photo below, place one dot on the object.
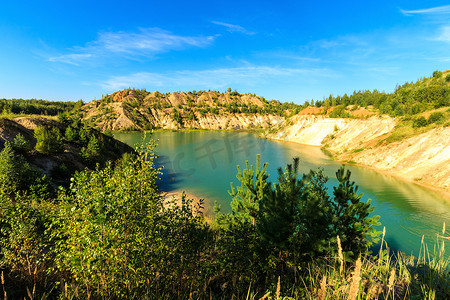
(48, 141)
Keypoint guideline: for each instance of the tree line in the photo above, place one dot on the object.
(407, 99)
(36, 107)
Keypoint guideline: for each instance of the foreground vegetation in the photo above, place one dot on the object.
(110, 234)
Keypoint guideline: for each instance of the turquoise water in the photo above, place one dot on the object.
(204, 163)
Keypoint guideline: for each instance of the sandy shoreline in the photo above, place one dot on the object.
(208, 209)
(443, 192)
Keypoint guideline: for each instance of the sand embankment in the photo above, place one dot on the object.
(424, 158)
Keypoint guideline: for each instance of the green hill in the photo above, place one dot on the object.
(427, 93)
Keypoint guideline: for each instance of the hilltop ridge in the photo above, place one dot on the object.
(133, 109)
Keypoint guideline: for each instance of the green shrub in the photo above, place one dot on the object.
(436, 117)
(25, 257)
(83, 135)
(91, 152)
(16, 176)
(116, 237)
(437, 74)
(420, 122)
(48, 141)
(71, 134)
(20, 144)
(339, 112)
(176, 117)
(417, 108)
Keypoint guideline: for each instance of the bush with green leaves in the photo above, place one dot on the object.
(21, 145)
(437, 74)
(339, 112)
(18, 177)
(176, 117)
(48, 141)
(116, 236)
(71, 134)
(420, 122)
(91, 152)
(436, 117)
(26, 259)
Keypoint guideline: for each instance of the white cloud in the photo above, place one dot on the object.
(233, 28)
(210, 79)
(433, 10)
(132, 45)
(72, 59)
(444, 35)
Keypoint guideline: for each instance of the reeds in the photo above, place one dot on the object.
(385, 276)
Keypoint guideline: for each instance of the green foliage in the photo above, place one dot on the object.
(351, 220)
(235, 93)
(420, 122)
(176, 117)
(111, 235)
(48, 141)
(24, 248)
(157, 105)
(109, 133)
(17, 177)
(64, 118)
(275, 227)
(417, 108)
(247, 197)
(21, 145)
(83, 135)
(71, 134)
(191, 116)
(437, 74)
(339, 112)
(78, 105)
(91, 152)
(11, 169)
(436, 117)
(35, 107)
(407, 99)
(115, 230)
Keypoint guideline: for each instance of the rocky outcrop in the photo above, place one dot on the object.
(140, 110)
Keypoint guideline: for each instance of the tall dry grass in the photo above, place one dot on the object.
(384, 276)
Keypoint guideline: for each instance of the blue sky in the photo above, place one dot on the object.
(285, 50)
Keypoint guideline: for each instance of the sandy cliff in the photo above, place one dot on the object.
(140, 110)
(424, 158)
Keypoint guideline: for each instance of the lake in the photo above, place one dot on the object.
(204, 163)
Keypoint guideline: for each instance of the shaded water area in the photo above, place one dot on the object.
(204, 163)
